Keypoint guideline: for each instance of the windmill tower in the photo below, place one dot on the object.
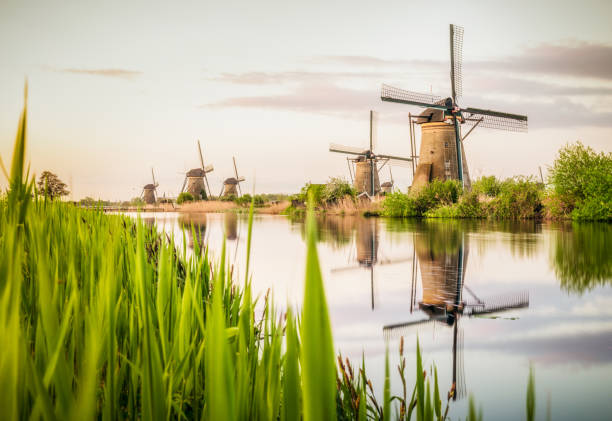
(366, 178)
(442, 255)
(231, 186)
(442, 155)
(196, 182)
(149, 191)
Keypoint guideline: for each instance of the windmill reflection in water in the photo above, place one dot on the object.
(366, 244)
(442, 255)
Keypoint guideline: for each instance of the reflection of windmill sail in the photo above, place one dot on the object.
(366, 244)
(442, 255)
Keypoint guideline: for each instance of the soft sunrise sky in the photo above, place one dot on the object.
(116, 87)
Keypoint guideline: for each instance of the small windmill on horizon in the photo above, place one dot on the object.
(366, 179)
(442, 155)
(149, 191)
(196, 182)
(231, 185)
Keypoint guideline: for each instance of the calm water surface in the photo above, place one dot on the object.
(486, 300)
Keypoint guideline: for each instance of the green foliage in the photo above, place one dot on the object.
(581, 180)
(243, 200)
(317, 354)
(184, 197)
(399, 205)
(488, 186)
(519, 198)
(337, 188)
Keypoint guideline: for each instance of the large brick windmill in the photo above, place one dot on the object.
(441, 155)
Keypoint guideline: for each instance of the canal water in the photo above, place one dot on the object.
(486, 300)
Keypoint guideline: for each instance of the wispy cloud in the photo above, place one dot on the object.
(261, 78)
(316, 97)
(579, 59)
(517, 82)
(115, 73)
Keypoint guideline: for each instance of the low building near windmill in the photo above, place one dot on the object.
(386, 187)
(195, 183)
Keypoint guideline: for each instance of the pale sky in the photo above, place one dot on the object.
(118, 87)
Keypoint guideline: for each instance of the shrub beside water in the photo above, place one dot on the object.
(184, 197)
(581, 181)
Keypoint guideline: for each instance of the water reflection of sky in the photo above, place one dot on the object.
(566, 332)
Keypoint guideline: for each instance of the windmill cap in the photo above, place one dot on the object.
(149, 187)
(230, 180)
(387, 184)
(196, 172)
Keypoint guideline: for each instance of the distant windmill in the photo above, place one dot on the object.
(366, 164)
(442, 155)
(231, 186)
(442, 279)
(196, 182)
(387, 186)
(149, 191)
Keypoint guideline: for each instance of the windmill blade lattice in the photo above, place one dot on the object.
(498, 304)
(456, 42)
(392, 94)
(495, 119)
(334, 147)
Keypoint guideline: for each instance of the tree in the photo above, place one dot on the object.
(184, 197)
(582, 181)
(49, 185)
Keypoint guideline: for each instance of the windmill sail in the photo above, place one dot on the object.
(391, 94)
(456, 56)
(495, 119)
(334, 147)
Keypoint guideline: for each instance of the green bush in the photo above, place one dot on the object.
(581, 180)
(489, 186)
(184, 197)
(244, 200)
(519, 198)
(399, 205)
(336, 189)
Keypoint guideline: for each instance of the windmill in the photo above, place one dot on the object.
(443, 261)
(149, 191)
(442, 155)
(366, 163)
(231, 186)
(366, 238)
(195, 181)
(387, 186)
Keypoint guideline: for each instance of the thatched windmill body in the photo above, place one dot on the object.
(196, 182)
(442, 155)
(366, 178)
(231, 185)
(149, 191)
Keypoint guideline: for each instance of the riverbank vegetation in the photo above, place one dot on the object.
(579, 187)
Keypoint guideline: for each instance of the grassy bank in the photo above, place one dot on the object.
(579, 187)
